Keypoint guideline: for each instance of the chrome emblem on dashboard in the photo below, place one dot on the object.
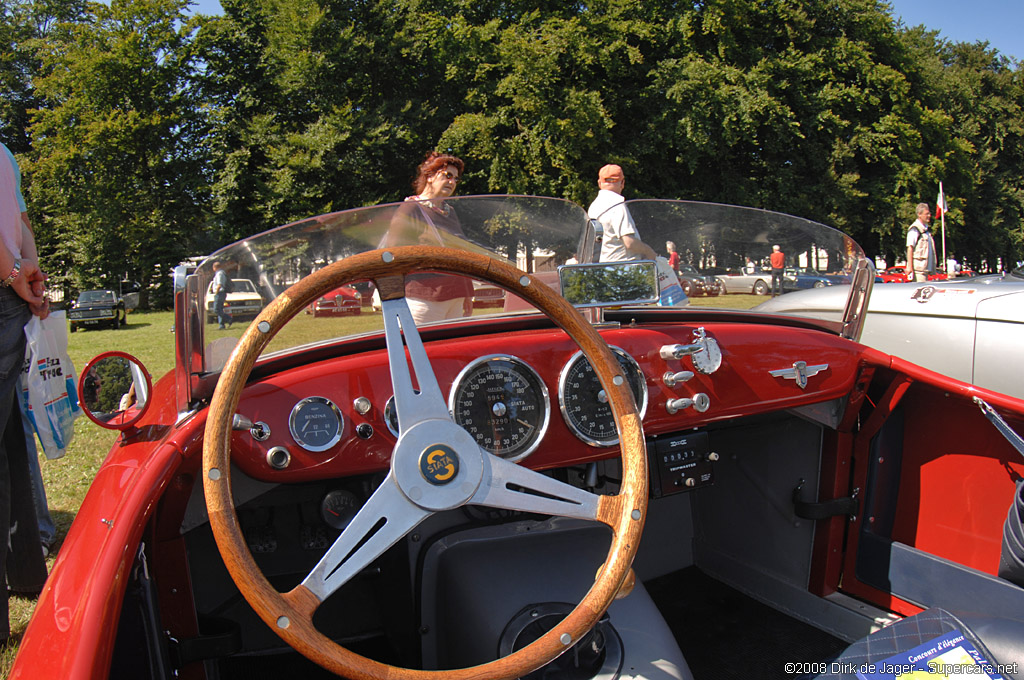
(800, 372)
(439, 464)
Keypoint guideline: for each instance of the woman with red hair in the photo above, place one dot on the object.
(426, 219)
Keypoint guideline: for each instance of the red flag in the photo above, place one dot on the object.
(940, 204)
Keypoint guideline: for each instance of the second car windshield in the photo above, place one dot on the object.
(96, 296)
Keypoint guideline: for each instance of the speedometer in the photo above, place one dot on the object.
(584, 403)
(503, 404)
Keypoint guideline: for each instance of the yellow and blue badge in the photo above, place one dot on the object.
(439, 464)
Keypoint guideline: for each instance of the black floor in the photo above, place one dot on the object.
(725, 634)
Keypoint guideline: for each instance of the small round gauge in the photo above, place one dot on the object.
(709, 359)
(391, 416)
(503, 404)
(338, 508)
(584, 403)
(316, 423)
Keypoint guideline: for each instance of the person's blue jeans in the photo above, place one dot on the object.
(47, 529)
(223, 317)
(21, 553)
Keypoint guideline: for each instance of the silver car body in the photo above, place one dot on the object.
(747, 283)
(967, 329)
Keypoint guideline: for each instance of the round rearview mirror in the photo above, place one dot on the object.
(114, 390)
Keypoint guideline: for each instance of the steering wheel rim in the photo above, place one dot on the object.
(290, 614)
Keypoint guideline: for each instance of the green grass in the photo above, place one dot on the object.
(147, 336)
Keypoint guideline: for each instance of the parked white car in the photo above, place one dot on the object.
(970, 329)
(243, 302)
(759, 283)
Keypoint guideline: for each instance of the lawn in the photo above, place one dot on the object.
(148, 337)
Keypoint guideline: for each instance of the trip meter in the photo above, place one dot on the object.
(584, 403)
(503, 404)
(316, 423)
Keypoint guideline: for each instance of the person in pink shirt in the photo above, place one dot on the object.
(21, 295)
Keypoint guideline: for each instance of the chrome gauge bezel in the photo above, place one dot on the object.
(525, 368)
(563, 378)
(391, 416)
(294, 423)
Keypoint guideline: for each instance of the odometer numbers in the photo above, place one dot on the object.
(503, 404)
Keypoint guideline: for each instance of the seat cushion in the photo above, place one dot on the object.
(915, 640)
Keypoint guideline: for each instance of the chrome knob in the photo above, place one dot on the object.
(672, 379)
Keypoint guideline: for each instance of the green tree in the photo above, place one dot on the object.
(117, 163)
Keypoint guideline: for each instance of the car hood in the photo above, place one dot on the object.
(962, 299)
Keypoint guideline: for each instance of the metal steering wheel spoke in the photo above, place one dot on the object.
(514, 487)
(412, 405)
(385, 518)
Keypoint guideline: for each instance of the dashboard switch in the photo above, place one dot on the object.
(700, 403)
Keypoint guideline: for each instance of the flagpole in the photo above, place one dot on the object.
(945, 267)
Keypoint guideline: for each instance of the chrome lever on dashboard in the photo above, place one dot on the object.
(259, 430)
(240, 422)
(700, 403)
(672, 379)
(680, 351)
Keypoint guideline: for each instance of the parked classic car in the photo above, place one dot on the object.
(342, 301)
(694, 282)
(243, 302)
(487, 295)
(100, 308)
(969, 329)
(636, 492)
(758, 283)
(801, 278)
(894, 275)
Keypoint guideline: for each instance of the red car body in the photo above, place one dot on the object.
(894, 275)
(342, 301)
(813, 474)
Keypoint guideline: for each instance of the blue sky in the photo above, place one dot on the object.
(1000, 22)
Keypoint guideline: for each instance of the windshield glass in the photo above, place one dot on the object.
(90, 296)
(729, 245)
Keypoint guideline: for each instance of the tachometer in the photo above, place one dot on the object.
(316, 423)
(584, 404)
(503, 403)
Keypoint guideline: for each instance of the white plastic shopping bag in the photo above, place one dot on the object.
(672, 294)
(49, 381)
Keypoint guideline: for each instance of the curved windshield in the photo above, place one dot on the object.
(731, 248)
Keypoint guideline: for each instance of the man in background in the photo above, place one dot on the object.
(920, 246)
(778, 263)
(621, 240)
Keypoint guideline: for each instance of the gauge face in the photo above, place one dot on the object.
(583, 401)
(338, 508)
(709, 359)
(316, 423)
(503, 404)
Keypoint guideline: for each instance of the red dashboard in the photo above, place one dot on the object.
(359, 385)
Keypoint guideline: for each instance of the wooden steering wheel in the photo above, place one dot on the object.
(435, 466)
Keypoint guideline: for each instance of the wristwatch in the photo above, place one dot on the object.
(15, 270)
